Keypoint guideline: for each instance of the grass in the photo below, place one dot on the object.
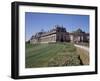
(57, 54)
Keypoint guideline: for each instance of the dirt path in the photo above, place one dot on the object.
(83, 52)
(82, 47)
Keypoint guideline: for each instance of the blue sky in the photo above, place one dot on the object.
(35, 22)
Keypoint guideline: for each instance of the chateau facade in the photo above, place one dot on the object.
(59, 34)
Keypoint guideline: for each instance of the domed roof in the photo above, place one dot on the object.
(79, 31)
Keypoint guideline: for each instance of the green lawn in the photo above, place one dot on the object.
(44, 55)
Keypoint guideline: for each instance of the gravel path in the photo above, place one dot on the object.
(83, 47)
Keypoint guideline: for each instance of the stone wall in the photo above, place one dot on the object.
(48, 39)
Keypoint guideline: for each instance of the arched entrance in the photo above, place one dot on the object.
(62, 40)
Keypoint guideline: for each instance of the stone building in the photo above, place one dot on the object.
(79, 36)
(59, 34)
